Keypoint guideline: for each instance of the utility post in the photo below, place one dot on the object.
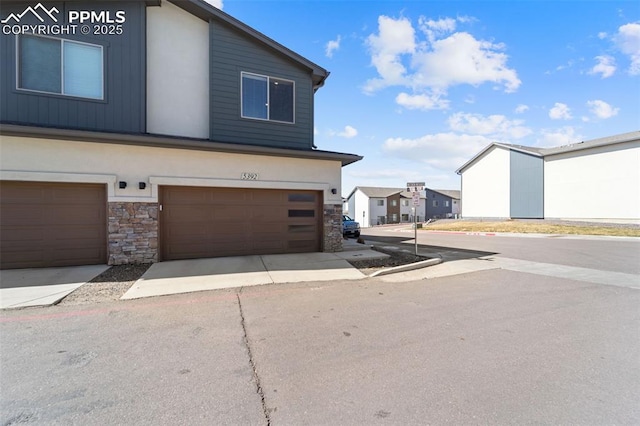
(415, 188)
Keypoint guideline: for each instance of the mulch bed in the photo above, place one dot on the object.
(396, 258)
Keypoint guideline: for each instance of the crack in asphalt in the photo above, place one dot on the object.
(256, 377)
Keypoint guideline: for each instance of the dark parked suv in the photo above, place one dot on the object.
(350, 227)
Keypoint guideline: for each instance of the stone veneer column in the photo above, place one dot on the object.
(133, 233)
(332, 221)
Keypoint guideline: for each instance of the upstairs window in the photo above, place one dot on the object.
(267, 98)
(61, 67)
(380, 202)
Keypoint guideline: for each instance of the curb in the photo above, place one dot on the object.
(408, 267)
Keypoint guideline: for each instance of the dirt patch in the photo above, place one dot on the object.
(396, 257)
(106, 287)
(537, 226)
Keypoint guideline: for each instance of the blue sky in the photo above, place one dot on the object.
(419, 87)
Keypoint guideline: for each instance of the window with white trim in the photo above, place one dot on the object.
(380, 202)
(267, 98)
(405, 203)
(59, 66)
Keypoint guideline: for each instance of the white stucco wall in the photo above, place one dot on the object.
(361, 205)
(599, 183)
(375, 210)
(485, 185)
(177, 72)
(49, 160)
(408, 210)
(455, 207)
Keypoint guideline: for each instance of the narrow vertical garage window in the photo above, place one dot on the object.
(267, 98)
(63, 67)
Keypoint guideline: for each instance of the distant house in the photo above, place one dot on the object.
(597, 179)
(442, 203)
(373, 206)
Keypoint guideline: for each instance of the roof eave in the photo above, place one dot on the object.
(161, 141)
(500, 145)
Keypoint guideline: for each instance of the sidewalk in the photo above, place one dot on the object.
(47, 286)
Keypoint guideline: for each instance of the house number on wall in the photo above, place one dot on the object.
(249, 176)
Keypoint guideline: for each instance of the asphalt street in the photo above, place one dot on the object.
(487, 347)
(618, 254)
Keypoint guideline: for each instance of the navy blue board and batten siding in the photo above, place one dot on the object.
(526, 186)
(232, 53)
(441, 210)
(123, 108)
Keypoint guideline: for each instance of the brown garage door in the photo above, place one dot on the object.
(198, 222)
(52, 224)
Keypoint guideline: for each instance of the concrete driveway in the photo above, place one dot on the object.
(47, 286)
(183, 276)
(43, 286)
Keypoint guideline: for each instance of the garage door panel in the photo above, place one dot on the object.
(23, 258)
(86, 235)
(17, 235)
(18, 215)
(76, 196)
(268, 213)
(237, 221)
(74, 215)
(52, 224)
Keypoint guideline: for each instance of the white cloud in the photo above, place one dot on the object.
(601, 109)
(606, 66)
(442, 151)
(560, 112)
(495, 125)
(558, 137)
(348, 132)
(332, 46)
(215, 3)
(432, 29)
(521, 109)
(422, 102)
(430, 67)
(628, 41)
(395, 37)
(461, 59)
(602, 35)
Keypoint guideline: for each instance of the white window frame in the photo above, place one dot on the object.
(380, 203)
(243, 73)
(405, 203)
(61, 93)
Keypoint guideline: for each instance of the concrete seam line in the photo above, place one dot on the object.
(252, 362)
(266, 269)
